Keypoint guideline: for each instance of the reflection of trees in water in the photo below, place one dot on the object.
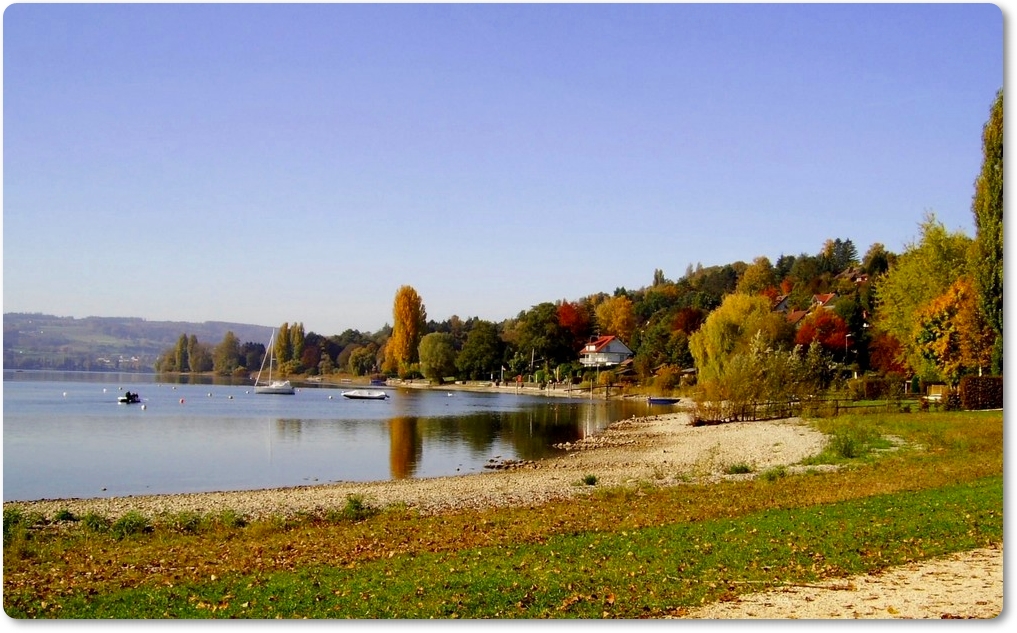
(531, 431)
(288, 429)
(405, 448)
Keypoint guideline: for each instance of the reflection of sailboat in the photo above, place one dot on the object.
(272, 386)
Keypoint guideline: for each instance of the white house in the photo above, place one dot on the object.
(604, 352)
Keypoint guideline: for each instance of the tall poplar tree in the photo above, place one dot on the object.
(987, 265)
(409, 318)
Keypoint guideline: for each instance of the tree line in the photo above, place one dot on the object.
(932, 312)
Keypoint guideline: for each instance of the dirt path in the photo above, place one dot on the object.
(960, 586)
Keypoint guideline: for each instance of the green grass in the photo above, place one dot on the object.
(631, 573)
(630, 551)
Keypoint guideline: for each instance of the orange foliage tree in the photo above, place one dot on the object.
(952, 333)
(409, 320)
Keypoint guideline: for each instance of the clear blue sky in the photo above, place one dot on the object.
(270, 163)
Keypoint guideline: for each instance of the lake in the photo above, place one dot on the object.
(65, 435)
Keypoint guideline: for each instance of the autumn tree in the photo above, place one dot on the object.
(409, 318)
(988, 211)
(826, 328)
(952, 334)
(437, 355)
(575, 319)
(615, 316)
(923, 272)
(757, 277)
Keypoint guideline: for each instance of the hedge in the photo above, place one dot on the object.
(981, 392)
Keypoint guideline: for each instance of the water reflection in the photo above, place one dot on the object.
(406, 447)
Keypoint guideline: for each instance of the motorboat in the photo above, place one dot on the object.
(129, 398)
(365, 394)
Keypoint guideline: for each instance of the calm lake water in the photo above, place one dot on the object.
(65, 435)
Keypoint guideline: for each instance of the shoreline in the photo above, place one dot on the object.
(661, 449)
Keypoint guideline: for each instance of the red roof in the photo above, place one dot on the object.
(598, 344)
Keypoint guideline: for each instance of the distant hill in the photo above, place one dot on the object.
(42, 341)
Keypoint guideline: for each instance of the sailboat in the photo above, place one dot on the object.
(272, 386)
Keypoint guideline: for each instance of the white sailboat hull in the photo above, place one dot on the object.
(280, 387)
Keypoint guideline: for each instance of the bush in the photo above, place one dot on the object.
(775, 473)
(590, 480)
(95, 523)
(981, 392)
(130, 524)
(738, 469)
(356, 509)
(64, 515)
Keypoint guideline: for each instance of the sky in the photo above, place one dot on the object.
(265, 163)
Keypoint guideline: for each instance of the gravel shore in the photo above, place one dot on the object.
(663, 449)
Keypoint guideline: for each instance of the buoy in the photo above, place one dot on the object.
(231, 397)
(104, 389)
(330, 397)
(144, 406)
(210, 394)
(65, 394)
(181, 401)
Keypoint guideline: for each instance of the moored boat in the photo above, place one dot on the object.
(652, 400)
(282, 387)
(365, 394)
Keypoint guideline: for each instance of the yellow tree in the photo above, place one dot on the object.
(409, 320)
(616, 316)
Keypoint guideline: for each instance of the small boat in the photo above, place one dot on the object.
(365, 394)
(129, 398)
(652, 400)
(272, 386)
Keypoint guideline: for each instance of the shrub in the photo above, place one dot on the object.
(131, 523)
(356, 509)
(590, 480)
(775, 473)
(95, 522)
(64, 515)
(738, 469)
(185, 522)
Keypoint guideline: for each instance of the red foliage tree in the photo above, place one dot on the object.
(688, 320)
(575, 319)
(885, 353)
(826, 327)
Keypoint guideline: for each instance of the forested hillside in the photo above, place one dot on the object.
(40, 341)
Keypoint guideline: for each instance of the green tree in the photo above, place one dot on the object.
(181, 354)
(363, 360)
(924, 271)
(988, 211)
(437, 355)
(296, 350)
(731, 329)
(408, 324)
(283, 344)
(226, 355)
(482, 353)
